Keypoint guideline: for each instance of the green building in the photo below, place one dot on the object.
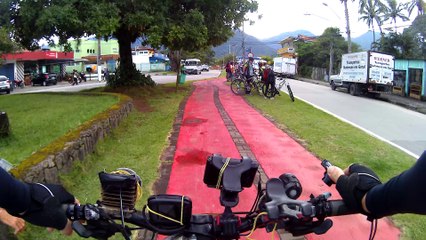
(86, 52)
(410, 78)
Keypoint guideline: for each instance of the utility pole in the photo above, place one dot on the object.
(330, 68)
(98, 60)
(243, 45)
(348, 30)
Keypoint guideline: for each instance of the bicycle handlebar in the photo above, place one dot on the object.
(276, 207)
(295, 216)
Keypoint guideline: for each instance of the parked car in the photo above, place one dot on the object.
(45, 79)
(5, 84)
(192, 66)
(205, 67)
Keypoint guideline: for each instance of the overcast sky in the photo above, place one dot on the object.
(289, 15)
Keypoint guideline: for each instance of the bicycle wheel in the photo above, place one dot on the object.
(260, 85)
(270, 93)
(237, 86)
(290, 93)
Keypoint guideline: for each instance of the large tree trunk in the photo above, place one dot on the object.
(125, 51)
(175, 57)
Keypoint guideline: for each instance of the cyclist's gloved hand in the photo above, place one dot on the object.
(353, 186)
(46, 205)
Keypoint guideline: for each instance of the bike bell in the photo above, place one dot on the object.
(292, 185)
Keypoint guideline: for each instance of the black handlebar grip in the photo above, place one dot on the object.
(326, 179)
(338, 208)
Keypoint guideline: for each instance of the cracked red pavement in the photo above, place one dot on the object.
(217, 121)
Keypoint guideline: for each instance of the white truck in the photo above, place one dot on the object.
(365, 73)
(285, 67)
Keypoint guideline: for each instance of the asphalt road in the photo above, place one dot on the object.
(400, 127)
(66, 87)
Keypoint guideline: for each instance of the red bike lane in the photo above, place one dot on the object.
(203, 132)
(278, 153)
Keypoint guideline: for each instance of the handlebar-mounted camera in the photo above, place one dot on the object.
(230, 176)
(120, 189)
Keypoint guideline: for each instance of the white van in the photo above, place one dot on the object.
(192, 66)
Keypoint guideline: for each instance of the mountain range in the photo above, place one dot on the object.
(269, 46)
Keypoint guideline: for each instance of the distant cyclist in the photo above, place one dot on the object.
(269, 79)
(249, 73)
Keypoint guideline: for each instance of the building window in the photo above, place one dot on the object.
(399, 78)
(415, 76)
(115, 50)
(88, 50)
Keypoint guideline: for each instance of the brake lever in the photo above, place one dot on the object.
(81, 230)
(279, 204)
(317, 227)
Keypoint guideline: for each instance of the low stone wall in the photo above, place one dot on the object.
(45, 165)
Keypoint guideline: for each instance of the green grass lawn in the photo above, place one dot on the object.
(140, 139)
(342, 144)
(137, 144)
(38, 119)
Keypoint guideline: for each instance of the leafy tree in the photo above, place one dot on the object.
(192, 25)
(410, 44)
(395, 10)
(227, 58)
(418, 26)
(332, 44)
(418, 32)
(175, 24)
(419, 4)
(328, 47)
(205, 55)
(6, 44)
(269, 60)
(399, 45)
(306, 57)
(370, 11)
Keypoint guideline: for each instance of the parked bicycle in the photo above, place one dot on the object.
(19, 83)
(276, 206)
(240, 85)
(274, 90)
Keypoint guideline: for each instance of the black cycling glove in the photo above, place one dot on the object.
(352, 188)
(46, 208)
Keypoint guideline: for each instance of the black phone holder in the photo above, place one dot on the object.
(230, 176)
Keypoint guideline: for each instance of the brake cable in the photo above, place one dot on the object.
(373, 229)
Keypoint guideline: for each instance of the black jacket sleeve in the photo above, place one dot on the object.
(14, 195)
(404, 193)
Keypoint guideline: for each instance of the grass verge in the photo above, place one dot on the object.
(38, 119)
(342, 144)
(137, 144)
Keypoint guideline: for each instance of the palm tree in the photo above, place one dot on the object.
(394, 11)
(419, 4)
(371, 11)
(348, 30)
